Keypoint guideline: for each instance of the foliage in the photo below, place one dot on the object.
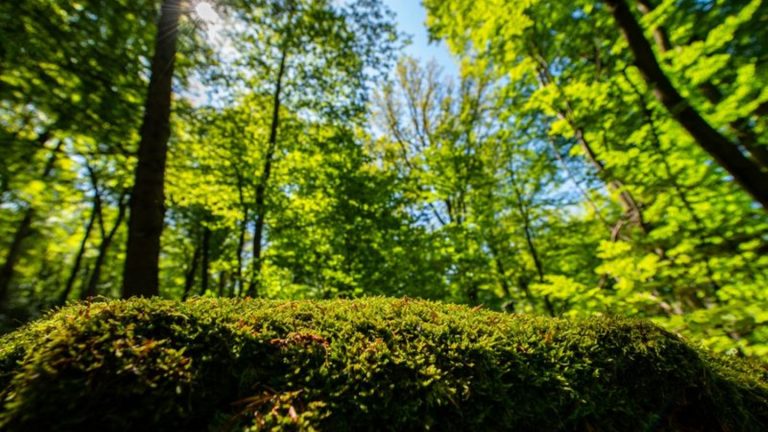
(666, 233)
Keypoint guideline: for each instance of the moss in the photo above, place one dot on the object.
(362, 364)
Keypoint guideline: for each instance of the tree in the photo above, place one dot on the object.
(570, 79)
(147, 206)
(749, 174)
(296, 46)
(57, 100)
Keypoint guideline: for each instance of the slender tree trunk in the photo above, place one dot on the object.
(79, 257)
(223, 281)
(86, 275)
(727, 154)
(631, 208)
(240, 241)
(473, 293)
(240, 247)
(140, 276)
(261, 189)
(189, 277)
(205, 270)
(537, 263)
(525, 287)
(500, 270)
(23, 231)
(577, 184)
(527, 231)
(106, 243)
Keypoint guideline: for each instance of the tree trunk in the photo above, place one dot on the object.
(500, 270)
(537, 263)
(22, 232)
(106, 243)
(204, 272)
(527, 231)
(261, 189)
(240, 242)
(140, 277)
(223, 282)
(240, 246)
(86, 276)
(726, 153)
(79, 257)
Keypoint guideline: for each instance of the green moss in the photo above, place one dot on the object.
(362, 364)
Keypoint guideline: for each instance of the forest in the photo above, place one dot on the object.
(590, 158)
(271, 215)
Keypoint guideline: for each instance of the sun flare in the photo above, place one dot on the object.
(205, 11)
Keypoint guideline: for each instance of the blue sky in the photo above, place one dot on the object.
(411, 19)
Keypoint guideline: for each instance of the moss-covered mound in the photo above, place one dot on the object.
(369, 364)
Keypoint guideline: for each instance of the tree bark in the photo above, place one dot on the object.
(261, 210)
(140, 277)
(727, 154)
